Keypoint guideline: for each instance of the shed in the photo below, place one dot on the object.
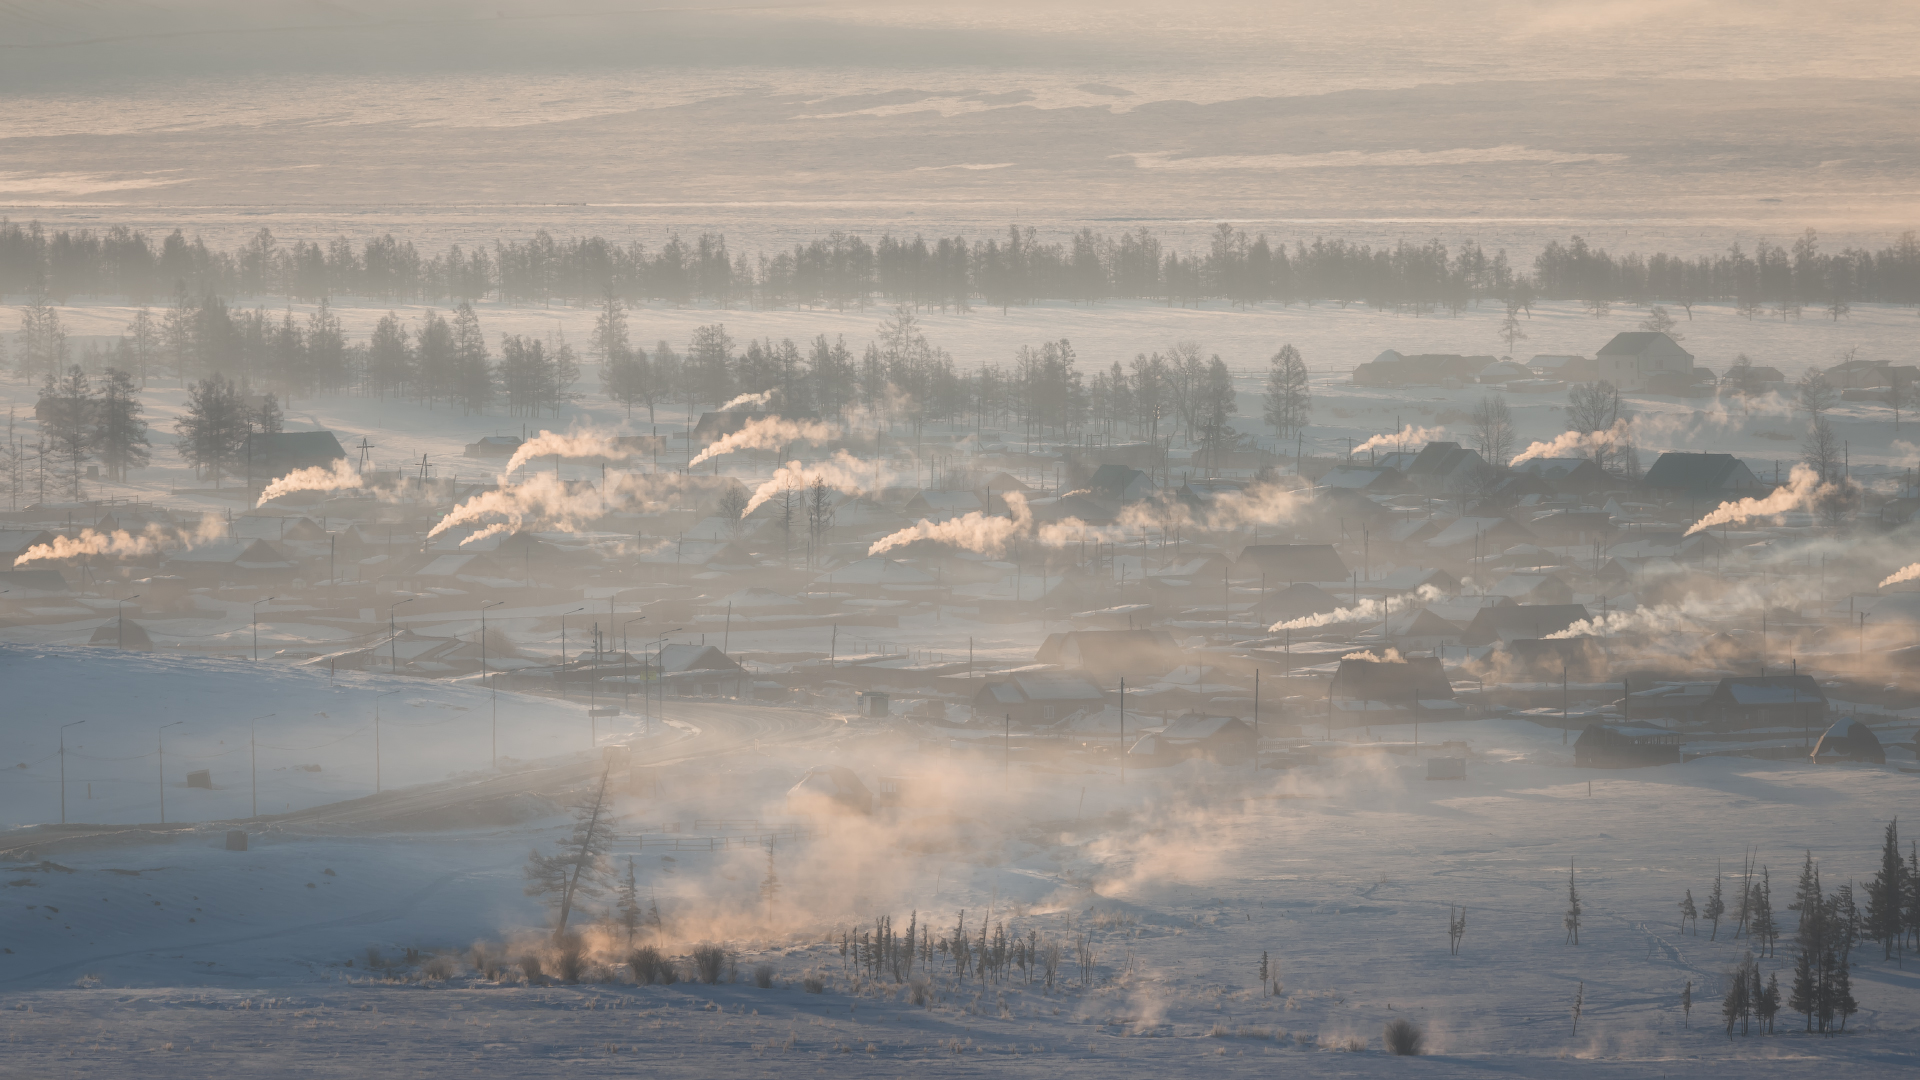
(1753, 701)
(1679, 475)
(1296, 601)
(1417, 685)
(830, 789)
(1626, 746)
(272, 455)
(494, 446)
(1290, 563)
(1225, 739)
(1522, 621)
(1849, 740)
(1106, 654)
(1634, 357)
(1040, 697)
(1534, 589)
(122, 634)
(1118, 483)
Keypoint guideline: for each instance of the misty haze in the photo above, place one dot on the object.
(861, 539)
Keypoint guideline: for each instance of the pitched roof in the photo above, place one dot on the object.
(1699, 474)
(1292, 562)
(1768, 690)
(1636, 343)
(1399, 683)
(1523, 621)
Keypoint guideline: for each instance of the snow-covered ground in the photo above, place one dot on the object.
(193, 957)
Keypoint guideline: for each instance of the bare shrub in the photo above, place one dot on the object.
(530, 967)
(813, 983)
(374, 960)
(571, 958)
(920, 991)
(1402, 1037)
(709, 963)
(668, 973)
(646, 964)
(763, 976)
(487, 960)
(1357, 1045)
(440, 966)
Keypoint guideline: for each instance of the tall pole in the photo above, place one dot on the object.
(1123, 729)
(63, 767)
(160, 742)
(256, 626)
(559, 675)
(1006, 755)
(493, 687)
(393, 636)
(1256, 720)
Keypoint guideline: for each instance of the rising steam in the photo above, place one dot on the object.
(1803, 487)
(768, 433)
(548, 444)
(1404, 436)
(1365, 611)
(340, 476)
(1579, 443)
(985, 533)
(841, 472)
(1904, 574)
(544, 499)
(748, 401)
(122, 544)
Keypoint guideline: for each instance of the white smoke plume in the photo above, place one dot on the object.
(123, 544)
(1803, 487)
(748, 401)
(340, 476)
(1391, 656)
(985, 533)
(768, 433)
(1578, 443)
(841, 472)
(544, 499)
(1366, 610)
(1406, 436)
(584, 444)
(1904, 574)
(1654, 619)
(119, 542)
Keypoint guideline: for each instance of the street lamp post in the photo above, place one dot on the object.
(560, 673)
(486, 677)
(393, 636)
(256, 625)
(121, 630)
(626, 655)
(63, 767)
(659, 645)
(160, 741)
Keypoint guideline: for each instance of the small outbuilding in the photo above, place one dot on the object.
(1849, 740)
(830, 789)
(122, 634)
(1626, 746)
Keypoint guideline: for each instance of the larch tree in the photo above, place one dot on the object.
(68, 407)
(1572, 918)
(577, 870)
(1689, 913)
(121, 433)
(1287, 403)
(627, 906)
(1886, 892)
(1716, 906)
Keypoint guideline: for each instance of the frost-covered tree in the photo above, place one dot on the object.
(120, 433)
(1287, 402)
(1689, 913)
(628, 905)
(1716, 907)
(1885, 893)
(1572, 918)
(577, 870)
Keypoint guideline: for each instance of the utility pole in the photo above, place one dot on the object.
(121, 630)
(1006, 760)
(1256, 720)
(393, 636)
(253, 760)
(486, 677)
(1123, 731)
(63, 767)
(256, 626)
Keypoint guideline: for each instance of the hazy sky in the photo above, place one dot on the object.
(336, 115)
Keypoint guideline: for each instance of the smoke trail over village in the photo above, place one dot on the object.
(975, 531)
(587, 444)
(1578, 443)
(747, 401)
(340, 476)
(1367, 610)
(1409, 435)
(768, 433)
(1905, 573)
(840, 472)
(1802, 489)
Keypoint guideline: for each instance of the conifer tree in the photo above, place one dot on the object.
(628, 904)
(68, 406)
(121, 433)
(1572, 918)
(1716, 907)
(214, 427)
(1769, 1004)
(1886, 893)
(1810, 943)
(1736, 1005)
(472, 387)
(1688, 912)
(1765, 927)
(1287, 402)
(578, 869)
(1686, 1005)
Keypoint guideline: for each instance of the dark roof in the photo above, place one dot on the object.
(1146, 652)
(1292, 562)
(1699, 474)
(1433, 458)
(1635, 342)
(1522, 621)
(20, 582)
(1421, 678)
(1110, 481)
(274, 447)
(1755, 690)
(1296, 601)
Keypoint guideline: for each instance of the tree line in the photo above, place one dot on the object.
(436, 359)
(946, 273)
